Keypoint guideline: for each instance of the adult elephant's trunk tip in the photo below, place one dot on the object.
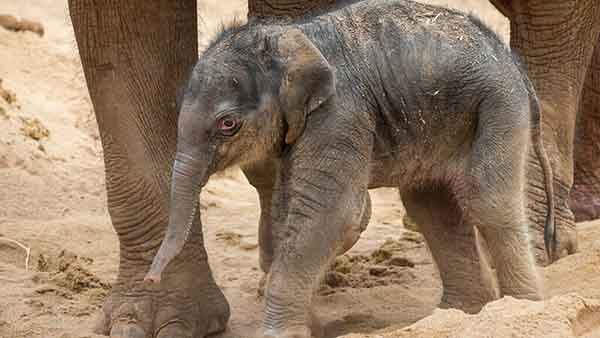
(188, 176)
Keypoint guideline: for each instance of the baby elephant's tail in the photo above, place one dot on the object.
(550, 241)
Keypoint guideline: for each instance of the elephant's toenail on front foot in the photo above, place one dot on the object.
(217, 325)
(127, 330)
(173, 329)
(300, 332)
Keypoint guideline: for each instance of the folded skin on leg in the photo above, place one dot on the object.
(585, 196)
(493, 196)
(556, 64)
(324, 187)
(467, 281)
(312, 241)
(135, 110)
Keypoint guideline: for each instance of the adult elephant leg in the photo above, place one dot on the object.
(135, 54)
(585, 196)
(555, 38)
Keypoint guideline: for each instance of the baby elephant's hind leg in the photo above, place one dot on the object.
(503, 228)
(500, 218)
(493, 200)
(467, 281)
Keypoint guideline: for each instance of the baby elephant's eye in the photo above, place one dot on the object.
(228, 125)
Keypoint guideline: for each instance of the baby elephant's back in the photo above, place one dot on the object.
(438, 46)
(428, 69)
(418, 48)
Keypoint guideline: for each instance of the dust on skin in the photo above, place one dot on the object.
(53, 202)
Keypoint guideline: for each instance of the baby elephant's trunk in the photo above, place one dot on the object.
(189, 175)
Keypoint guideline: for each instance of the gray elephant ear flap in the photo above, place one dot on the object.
(307, 81)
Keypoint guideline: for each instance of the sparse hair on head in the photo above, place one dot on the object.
(227, 27)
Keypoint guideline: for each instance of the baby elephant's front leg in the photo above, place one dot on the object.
(316, 222)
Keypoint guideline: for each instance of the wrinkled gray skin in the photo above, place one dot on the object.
(428, 102)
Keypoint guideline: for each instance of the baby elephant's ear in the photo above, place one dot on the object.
(307, 80)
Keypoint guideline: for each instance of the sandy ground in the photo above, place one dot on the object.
(52, 200)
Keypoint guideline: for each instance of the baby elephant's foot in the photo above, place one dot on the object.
(291, 332)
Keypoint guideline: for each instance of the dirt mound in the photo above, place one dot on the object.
(392, 263)
(11, 23)
(34, 129)
(64, 274)
(69, 271)
(7, 95)
(235, 239)
(568, 316)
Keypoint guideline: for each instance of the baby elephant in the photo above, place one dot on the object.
(376, 94)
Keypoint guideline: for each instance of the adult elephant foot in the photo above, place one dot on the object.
(131, 314)
(187, 303)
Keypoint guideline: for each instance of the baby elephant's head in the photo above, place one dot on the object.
(248, 96)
